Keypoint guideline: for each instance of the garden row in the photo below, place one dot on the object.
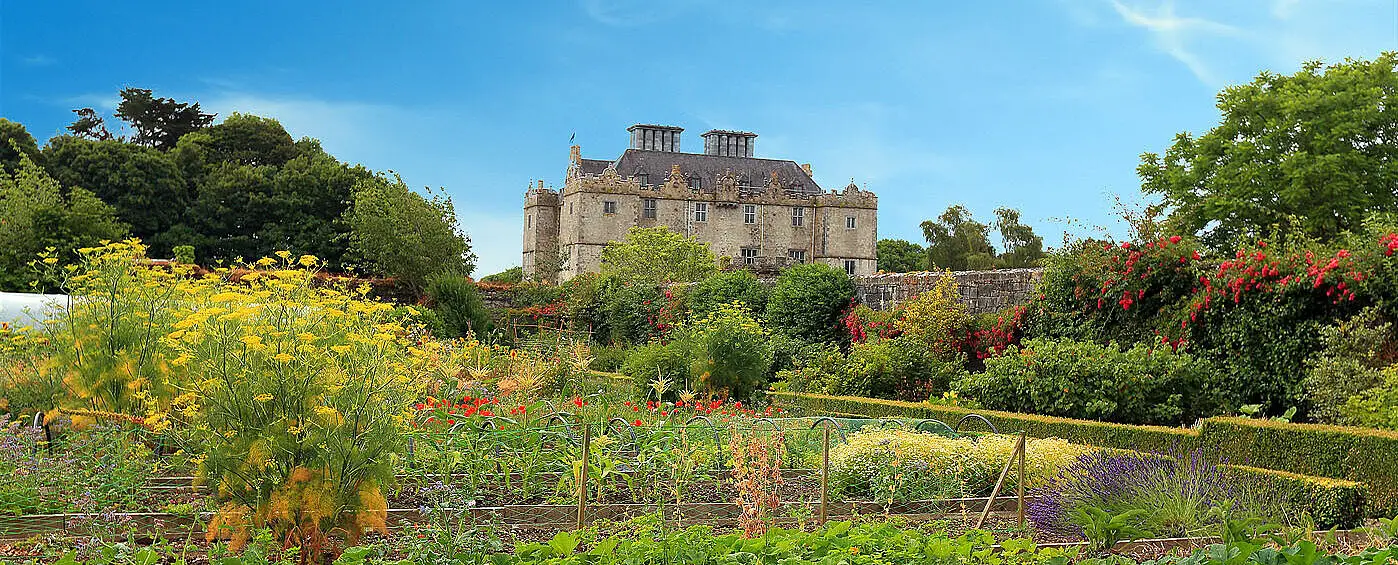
(1341, 474)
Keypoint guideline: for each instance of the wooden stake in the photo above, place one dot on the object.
(1023, 448)
(582, 475)
(825, 473)
(998, 483)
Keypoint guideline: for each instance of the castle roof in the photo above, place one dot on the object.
(757, 172)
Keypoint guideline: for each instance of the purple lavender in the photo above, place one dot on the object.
(1177, 491)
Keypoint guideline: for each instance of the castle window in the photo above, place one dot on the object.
(644, 178)
(648, 208)
(849, 267)
(797, 256)
(529, 221)
(570, 208)
(798, 216)
(749, 213)
(749, 255)
(696, 182)
(701, 211)
(608, 207)
(849, 222)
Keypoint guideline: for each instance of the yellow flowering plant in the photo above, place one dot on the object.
(299, 395)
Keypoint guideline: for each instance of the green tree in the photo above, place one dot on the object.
(657, 256)
(15, 140)
(957, 241)
(36, 214)
(249, 140)
(510, 275)
(89, 125)
(1022, 247)
(458, 304)
(723, 289)
(1315, 147)
(405, 235)
(144, 186)
(900, 256)
(158, 122)
(807, 301)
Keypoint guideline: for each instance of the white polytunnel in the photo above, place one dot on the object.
(29, 309)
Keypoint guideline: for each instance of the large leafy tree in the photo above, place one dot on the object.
(957, 241)
(406, 235)
(37, 214)
(1317, 149)
(15, 140)
(657, 256)
(159, 122)
(1022, 247)
(143, 185)
(900, 256)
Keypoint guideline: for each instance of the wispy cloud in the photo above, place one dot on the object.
(38, 60)
(1172, 34)
(630, 13)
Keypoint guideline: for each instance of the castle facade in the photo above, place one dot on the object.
(754, 212)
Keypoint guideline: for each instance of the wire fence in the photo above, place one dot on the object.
(561, 472)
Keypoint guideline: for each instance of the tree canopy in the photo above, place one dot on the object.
(407, 235)
(956, 241)
(900, 256)
(1317, 149)
(657, 256)
(36, 215)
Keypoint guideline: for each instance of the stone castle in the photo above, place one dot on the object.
(759, 213)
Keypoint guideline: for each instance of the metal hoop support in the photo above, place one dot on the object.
(718, 441)
(977, 417)
(829, 420)
(930, 421)
(635, 446)
(769, 422)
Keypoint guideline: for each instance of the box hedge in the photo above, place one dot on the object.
(1330, 502)
(1354, 454)
(1101, 434)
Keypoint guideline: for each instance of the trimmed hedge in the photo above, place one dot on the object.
(1353, 454)
(1330, 502)
(1102, 434)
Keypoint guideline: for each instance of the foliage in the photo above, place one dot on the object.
(1077, 379)
(406, 235)
(1103, 530)
(1376, 407)
(807, 302)
(1022, 247)
(608, 358)
(40, 215)
(657, 256)
(15, 141)
(730, 352)
(901, 465)
(1164, 496)
(1304, 150)
(900, 256)
(145, 186)
(935, 319)
(757, 476)
(159, 122)
(722, 289)
(656, 360)
(184, 254)
(1351, 360)
(101, 470)
(511, 275)
(895, 368)
(957, 242)
(457, 302)
(1326, 502)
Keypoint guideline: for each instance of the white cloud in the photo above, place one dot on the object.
(1173, 33)
(39, 60)
(630, 13)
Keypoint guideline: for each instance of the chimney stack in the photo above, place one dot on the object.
(651, 137)
(728, 143)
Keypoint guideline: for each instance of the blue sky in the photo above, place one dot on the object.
(1042, 106)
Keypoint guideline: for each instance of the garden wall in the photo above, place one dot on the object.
(982, 292)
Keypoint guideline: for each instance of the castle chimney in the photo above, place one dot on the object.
(728, 143)
(651, 137)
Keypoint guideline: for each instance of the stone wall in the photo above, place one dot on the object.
(981, 291)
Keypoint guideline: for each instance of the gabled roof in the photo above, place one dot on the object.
(755, 171)
(594, 166)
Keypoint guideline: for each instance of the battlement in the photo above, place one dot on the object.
(540, 196)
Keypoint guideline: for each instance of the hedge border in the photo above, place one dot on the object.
(1101, 434)
(1354, 454)
(1330, 502)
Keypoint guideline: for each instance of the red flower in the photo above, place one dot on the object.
(1174, 239)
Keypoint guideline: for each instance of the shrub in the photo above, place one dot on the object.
(807, 301)
(936, 319)
(1376, 407)
(817, 367)
(896, 368)
(725, 288)
(457, 303)
(656, 360)
(1084, 380)
(1353, 353)
(608, 358)
(184, 254)
(1175, 496)
(508, 276)
(731, 352)
(908, 465)
(655, 256)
